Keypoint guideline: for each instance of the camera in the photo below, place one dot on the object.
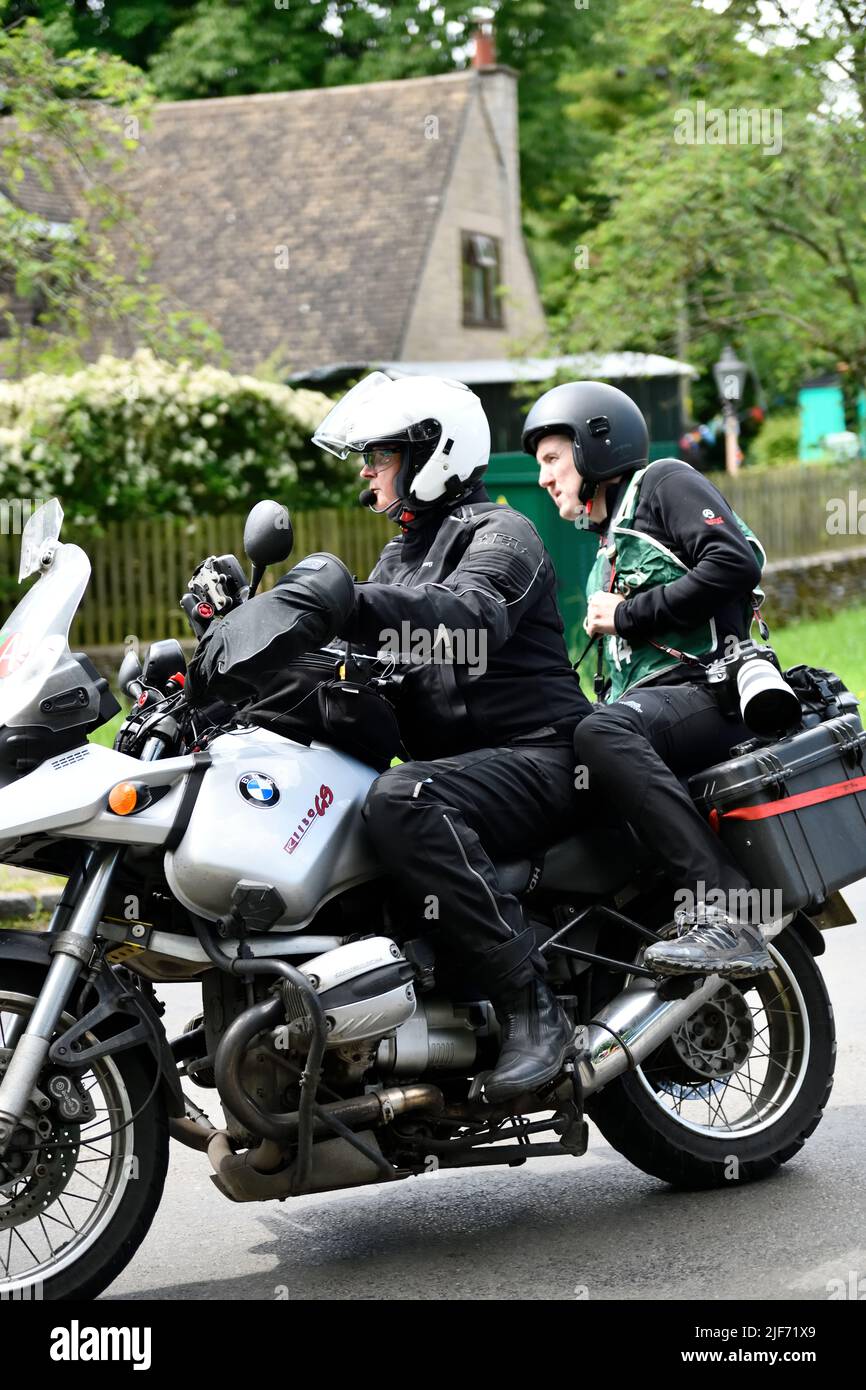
(750, 682)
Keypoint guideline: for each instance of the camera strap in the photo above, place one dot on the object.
(680, 656)
(762, 626)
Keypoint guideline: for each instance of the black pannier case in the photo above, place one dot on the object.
(816, 844)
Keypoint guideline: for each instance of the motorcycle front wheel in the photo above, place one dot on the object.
(76, 1203)
(741, 1085)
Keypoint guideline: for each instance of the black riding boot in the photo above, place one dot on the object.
(536, 1040)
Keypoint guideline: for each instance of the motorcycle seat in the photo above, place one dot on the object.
(591, 863)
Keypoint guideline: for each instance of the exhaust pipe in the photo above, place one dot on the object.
(337, 1164)
(632, 1026)
(260, 1174)
(194, 1128)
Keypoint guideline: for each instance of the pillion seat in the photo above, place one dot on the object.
(590, 862)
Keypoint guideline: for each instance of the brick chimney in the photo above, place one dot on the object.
(484, 45)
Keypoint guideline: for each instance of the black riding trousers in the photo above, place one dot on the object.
(635, 751)
(438, 827)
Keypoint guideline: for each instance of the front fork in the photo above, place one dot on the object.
(83, 898)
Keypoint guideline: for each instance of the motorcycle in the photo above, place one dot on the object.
(211, 849)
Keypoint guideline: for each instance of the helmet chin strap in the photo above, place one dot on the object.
(587, 491)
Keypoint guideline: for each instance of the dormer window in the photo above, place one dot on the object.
(482, 305)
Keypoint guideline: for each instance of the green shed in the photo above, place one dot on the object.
(513, 478)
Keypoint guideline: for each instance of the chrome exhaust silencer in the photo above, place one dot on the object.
(632, 1026)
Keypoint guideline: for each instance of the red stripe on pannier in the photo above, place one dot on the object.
(790, 803)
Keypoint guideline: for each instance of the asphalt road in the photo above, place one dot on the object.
(593, 1227)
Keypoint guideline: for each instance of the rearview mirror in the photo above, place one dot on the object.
(164, 659)
(268, 535)
(130, 670)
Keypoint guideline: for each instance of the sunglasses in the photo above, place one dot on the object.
(378, 459)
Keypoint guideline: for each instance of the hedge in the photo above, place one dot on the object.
(138, 437)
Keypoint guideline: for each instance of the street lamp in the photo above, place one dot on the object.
(730, 374)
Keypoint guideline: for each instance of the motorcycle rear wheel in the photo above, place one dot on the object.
(739, 1089)
(82, 1204)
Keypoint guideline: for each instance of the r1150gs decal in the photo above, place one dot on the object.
(323, 800)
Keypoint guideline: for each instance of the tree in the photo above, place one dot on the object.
(66, 226)
(760, 238)
(130, 29)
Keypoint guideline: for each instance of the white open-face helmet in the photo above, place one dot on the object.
(438, 425)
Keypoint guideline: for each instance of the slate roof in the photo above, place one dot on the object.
(345, 178)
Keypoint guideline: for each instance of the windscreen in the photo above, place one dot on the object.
(36, 635)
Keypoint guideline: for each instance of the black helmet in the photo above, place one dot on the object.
(608, 431)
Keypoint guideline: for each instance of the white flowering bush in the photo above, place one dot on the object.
(140, 437)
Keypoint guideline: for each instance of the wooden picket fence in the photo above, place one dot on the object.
(141, 568)
(789, 509)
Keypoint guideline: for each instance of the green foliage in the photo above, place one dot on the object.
(836, 642)
(705, 241)
(778, 441)
(72, 120)
(690, 245)
(137, 437)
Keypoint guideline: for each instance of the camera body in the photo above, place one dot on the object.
(749, 682)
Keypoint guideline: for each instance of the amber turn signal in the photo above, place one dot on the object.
(123, 798)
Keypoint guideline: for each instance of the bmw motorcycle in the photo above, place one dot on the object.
(222, 852)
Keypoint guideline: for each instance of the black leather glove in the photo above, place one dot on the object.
(217, 586)
(304, 609)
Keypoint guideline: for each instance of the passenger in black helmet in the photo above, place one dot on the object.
(670, 590)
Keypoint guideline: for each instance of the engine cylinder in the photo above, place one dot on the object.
(439, 1037)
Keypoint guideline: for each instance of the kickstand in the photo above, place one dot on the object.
(573, 1128)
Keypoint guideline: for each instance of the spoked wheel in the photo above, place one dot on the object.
(738, 1088)
(77, 1198)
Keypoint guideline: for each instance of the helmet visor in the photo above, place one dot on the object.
(338, 432)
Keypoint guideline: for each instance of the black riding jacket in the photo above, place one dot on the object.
(480, 572)
(685, 512)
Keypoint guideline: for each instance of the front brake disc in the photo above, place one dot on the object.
(44, 1177)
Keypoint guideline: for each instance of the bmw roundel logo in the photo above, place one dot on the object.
(258, 789)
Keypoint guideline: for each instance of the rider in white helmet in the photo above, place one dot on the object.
(492, 727)
(487, 715)
(435, 427)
